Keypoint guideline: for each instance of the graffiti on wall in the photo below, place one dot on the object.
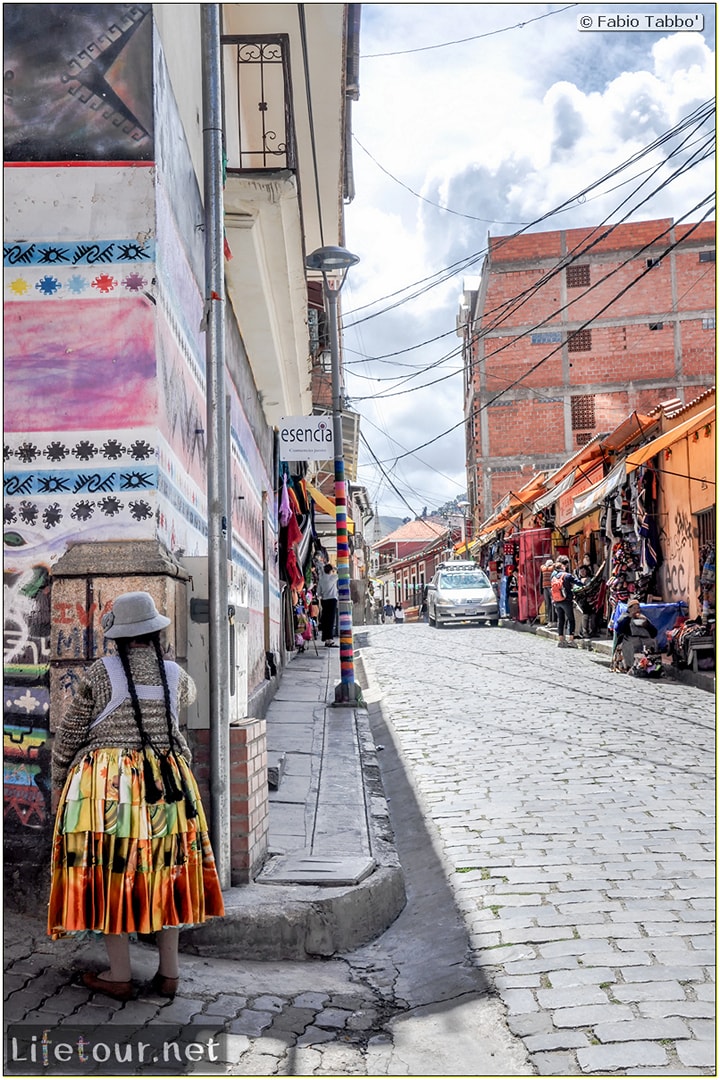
(677, 571)
(78, 82)
(26, 667)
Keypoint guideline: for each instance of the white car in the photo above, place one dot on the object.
(461, 592)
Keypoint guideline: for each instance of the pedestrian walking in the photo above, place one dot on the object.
(398, 614)
(546, 573)
(562, 597)
(131, 852)
(328, 592)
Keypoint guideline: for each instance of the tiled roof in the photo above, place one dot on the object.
(413, 530)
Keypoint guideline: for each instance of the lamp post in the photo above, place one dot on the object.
(333, 263)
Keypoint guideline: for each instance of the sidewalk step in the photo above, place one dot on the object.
(302, 868)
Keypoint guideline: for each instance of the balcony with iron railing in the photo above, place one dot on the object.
(259, 124)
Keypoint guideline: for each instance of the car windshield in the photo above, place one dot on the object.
(473, 579)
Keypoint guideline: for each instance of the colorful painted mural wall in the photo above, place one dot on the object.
(104, 351)
(181, 374)
(80, 387)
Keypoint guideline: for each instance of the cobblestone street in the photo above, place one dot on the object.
(572, 809)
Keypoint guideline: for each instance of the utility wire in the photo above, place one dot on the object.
(583, 326)
(462, 41)
(385, 474)
(432, 468)
(473, 217)
(483, 333)
(510, 306)
(438, 206)
(699, 115)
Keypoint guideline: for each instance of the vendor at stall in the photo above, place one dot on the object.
(633, 633)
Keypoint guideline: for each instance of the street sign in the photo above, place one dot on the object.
(306, 438)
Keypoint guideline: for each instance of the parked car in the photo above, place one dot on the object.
(461, 592)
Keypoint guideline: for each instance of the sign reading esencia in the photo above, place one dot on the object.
(306, 438)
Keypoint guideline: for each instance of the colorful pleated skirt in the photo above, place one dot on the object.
(122, 865)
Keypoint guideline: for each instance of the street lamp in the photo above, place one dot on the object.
(333, 263)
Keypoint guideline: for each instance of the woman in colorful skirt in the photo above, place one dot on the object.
(131, 853)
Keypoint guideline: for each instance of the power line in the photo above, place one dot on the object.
(394, 392)
(583, 326)
(438, 206)
(462, 41)
(508, 307)
(698, 116)
(383, 471)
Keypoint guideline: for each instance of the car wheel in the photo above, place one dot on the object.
(431, 619)
(492, 622)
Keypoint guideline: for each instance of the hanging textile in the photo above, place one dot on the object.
(284, 510)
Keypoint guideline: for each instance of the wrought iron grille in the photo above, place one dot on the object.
(259, 131)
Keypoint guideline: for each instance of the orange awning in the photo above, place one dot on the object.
(644, 453)
(327, 505)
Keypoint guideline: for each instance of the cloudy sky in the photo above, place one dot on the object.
(477, 119)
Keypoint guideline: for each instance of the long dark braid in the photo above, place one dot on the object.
(155, 640)
(172, 792)
(153, 793)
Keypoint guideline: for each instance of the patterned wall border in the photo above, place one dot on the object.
(66, 271)
(56, 253)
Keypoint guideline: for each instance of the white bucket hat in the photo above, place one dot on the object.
(133, 614)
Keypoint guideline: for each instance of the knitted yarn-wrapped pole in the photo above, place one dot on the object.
(347, 692)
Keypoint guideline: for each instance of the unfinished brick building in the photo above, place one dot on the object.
(568, 332)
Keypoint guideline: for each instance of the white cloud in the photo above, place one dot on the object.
(501, 129)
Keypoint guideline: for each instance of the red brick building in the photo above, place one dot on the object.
(568, 332)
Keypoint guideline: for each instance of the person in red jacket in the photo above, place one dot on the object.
(562, 597)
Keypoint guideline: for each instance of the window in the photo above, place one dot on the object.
(707, 256)
(259, 125)
(577, 276)
(582, 412)
(580, 341)
(655, 326)
(652, 262)
(706, 527)
(709, 324)
(546, 337)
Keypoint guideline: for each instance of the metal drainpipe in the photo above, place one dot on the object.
(217, 456)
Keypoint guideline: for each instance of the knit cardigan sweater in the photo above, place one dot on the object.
(75, 737)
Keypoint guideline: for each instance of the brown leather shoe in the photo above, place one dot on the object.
(164, 986)
(121, 991)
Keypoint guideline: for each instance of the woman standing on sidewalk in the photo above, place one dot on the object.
(131, 852)
(328, 592)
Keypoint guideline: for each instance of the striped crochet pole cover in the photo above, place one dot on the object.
(347, 661)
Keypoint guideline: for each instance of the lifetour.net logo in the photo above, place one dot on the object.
(113, 1050)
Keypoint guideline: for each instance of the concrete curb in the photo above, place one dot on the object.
(298, 922)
